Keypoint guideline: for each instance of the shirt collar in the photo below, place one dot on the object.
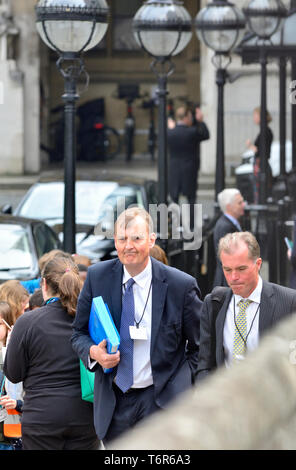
(142, 278)
(255, 296)
(233, 220)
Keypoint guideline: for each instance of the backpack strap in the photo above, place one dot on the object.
(218, 296)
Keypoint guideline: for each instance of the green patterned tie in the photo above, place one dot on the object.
(240, 333)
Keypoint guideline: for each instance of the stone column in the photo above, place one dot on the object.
(28, 62)
(11, 99)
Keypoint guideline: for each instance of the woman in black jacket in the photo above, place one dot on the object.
(40, 355)
(256, 148)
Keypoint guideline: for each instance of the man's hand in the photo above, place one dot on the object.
(99, 353)
(199, 115)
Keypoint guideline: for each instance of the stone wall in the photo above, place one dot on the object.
(249, 407)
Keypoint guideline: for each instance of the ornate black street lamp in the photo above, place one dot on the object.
(162, 28)
(264, 18)
(71, 27)
(220, 26)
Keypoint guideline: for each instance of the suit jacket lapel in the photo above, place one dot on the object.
(159, 292)
(267, 307)
(115, 290)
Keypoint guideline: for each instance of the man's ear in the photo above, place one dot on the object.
(152, 239)
(259, 263)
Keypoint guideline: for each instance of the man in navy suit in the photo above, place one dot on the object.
(232, 205)
(166, 309)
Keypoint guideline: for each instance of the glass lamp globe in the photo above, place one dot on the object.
(72, 25)
(163, 28)
(220, 26)
(265, 17)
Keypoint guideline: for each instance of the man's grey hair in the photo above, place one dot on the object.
(128, 216)
(231, 242)
(227, 197)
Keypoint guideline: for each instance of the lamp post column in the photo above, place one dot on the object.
(283, 77)
(69, 97)
(220, 151)
(263, 130)
(162, 143)
(165, 67)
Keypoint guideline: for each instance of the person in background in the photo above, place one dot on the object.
(16, 296)
(81, 259)
(256, 149)
(32, 284)
(6, 321)
(248, 309)
(232, 206)
(158, 253)
(184, 148)
(13, 406)
(82, 271)
(40, 354)
(36, 299)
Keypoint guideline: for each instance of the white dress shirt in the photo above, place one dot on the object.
(252, 312)
(141, 358)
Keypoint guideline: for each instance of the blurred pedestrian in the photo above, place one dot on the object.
(40, 354)
(16, 296)
(184, 149)
(256, 149)
(36, 299)
(158, 253)
(233, 321)
(10, 407)
(82, 269)
(32, 284)
(232, 206)
(6, 321)
(81, 259)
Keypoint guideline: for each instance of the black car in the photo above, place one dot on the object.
(22, 242)
(98, 203)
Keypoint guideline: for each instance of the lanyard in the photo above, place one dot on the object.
(52, 299)
(138, 323)
(244, 339)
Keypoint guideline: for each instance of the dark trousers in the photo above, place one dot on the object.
(50, 437)
(131, 407)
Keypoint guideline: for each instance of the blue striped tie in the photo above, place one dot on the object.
(125, 376)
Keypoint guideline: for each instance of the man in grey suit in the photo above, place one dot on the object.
(232, 205)
(249, 307)
(159, 344)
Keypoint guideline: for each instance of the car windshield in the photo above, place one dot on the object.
(46, 201)
(14, 248)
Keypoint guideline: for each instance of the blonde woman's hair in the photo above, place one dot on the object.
(15, 294)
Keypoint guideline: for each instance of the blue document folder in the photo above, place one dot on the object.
(101, 326)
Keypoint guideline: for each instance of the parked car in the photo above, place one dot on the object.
(98, 203)
(22, 242)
